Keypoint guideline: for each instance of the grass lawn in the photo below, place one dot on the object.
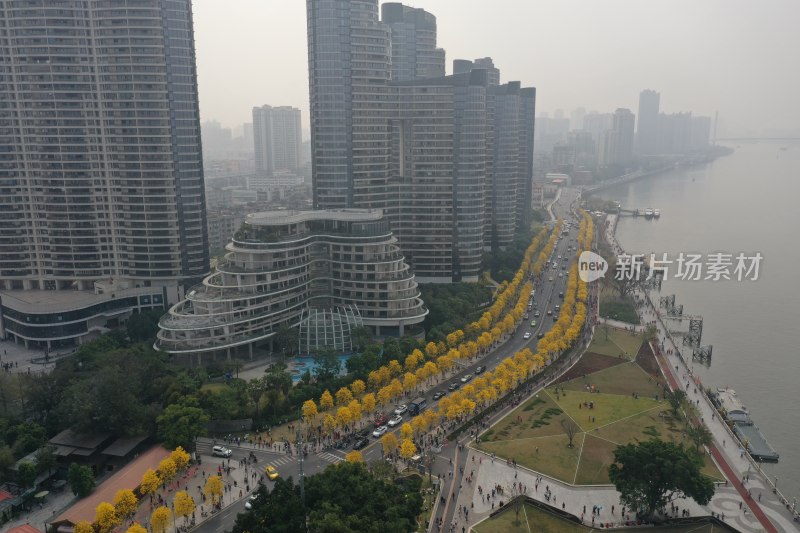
(634, 428)
(539, 418)
(596, 457)
(553, 457)
(607, 407)
(618, 343)
(622, 379)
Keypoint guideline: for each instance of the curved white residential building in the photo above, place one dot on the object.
(281, 263)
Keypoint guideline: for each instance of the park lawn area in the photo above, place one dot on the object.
(590, 363)
(622, 379)
(633, 428)
(539, 410)
(618, 343)
(596, 457)
(608, 408)
(535, 520)
(553, 458)
(627, 340)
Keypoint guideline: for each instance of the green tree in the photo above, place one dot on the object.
(6, 459)
(328, 365)
(343, 498)
(26, 474)
(46, 459)
(144, 326)
(81, 479)
(675, 399)
(650, 474)
(27, 437)
(699, 435)
(287, 339)
(180, 424)
(361, 337)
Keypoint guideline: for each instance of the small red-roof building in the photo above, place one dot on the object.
(27, 528)
(127, 477)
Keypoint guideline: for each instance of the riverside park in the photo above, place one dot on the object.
(614, 395)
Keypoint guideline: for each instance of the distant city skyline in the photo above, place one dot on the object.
(704, 68)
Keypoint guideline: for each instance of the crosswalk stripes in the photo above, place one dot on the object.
(330, 457)
(280, 461)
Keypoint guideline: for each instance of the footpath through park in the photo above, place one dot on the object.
(754, 489)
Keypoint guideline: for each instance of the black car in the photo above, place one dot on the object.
(540, 335)
(438, 395)
(453, 386)
(479, 369)
(360, 444)
(363, 434)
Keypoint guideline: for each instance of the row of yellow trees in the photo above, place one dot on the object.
(388, 382)
(109, 516)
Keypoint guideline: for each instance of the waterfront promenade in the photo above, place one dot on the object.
(755, 490)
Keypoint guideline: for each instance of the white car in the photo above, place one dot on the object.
(250, 501)
(401, 409)
(221, 451)
(380, 431)
(396, 420)
(466, 378)
(527, 335)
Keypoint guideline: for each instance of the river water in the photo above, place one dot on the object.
(744, 202)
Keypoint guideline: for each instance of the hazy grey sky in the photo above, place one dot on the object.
(735, 56)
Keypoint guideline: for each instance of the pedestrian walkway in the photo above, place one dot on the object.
(329, 457)
(755, 490)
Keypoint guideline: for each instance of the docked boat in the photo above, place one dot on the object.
(738, 418)
(656, 213)
(648, 213)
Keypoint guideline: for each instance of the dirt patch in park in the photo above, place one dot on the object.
(589, 363)
(646, 359)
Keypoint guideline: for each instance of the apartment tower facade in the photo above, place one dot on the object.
(102, 206)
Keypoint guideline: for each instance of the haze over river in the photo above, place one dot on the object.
(745, 202)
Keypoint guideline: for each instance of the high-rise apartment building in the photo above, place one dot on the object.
(102, 207)
(647, 128)
(413, 37)
(623, 128)
(427, 149)
(349, 67)
(276, 139)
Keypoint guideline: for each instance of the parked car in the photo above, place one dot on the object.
(361, 443)
(466, 378)
(381, 420)
(479, 369)
(380, 431)
(438, 395)
(401, 409)
(540, 335)
(396, 420)
(272, 474)
(453, 386)
(221, 451)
